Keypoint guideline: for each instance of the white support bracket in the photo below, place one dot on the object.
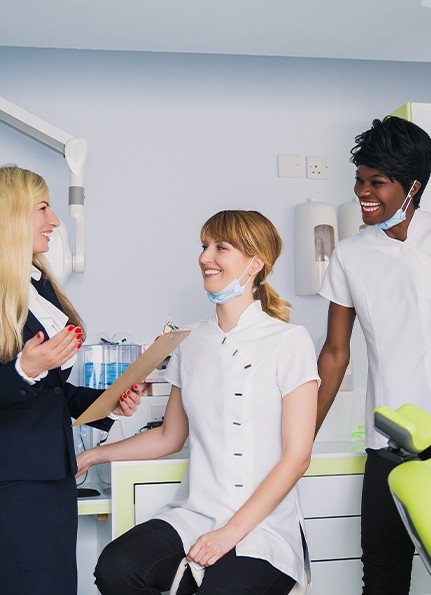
(74, 150)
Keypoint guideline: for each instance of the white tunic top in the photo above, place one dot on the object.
(232, 389)
(388, 282)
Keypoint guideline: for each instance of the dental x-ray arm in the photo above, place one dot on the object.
(74, 150)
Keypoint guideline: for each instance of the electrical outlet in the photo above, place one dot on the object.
(318, 167)
(289, 166)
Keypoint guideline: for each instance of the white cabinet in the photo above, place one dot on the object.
(332, 508)
(333, 538)
(331, 495)
(150, 497)
(336, 577)
(141, 488)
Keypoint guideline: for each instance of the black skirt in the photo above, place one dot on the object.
(38, 527)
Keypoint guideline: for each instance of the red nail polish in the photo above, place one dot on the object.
(135, 386)
(123, 398)
(127, 392)
(79, 335)
(78, 329)
(79, 345)
(70, 327)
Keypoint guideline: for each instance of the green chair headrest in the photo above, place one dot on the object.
(409, 426)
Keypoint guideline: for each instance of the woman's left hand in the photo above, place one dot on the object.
(129, 401)
(211, 546)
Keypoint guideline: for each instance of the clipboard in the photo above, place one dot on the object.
(134, 374)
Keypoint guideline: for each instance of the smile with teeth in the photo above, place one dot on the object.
(370, 207)
(47, 234)
(210, 272)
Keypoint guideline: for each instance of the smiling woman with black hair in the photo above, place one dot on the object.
(383, 276)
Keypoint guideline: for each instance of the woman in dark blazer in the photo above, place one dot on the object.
(40, 334)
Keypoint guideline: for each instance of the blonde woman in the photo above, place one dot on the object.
(245, 391)
(40, 334)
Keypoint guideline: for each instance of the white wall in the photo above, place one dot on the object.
(174, 138)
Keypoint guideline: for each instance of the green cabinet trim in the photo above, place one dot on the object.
(126, 474)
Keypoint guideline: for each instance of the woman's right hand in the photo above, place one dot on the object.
(83, 462)
(39, 355)
(86, 459)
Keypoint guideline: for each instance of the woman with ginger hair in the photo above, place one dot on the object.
(244, 390)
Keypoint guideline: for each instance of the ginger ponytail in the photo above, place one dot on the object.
(271, 302)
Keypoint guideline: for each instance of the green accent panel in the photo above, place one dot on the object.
(411, 484)
(413, 422)
(124, 476)
(94, 506)
(336, 465)
(405, 112)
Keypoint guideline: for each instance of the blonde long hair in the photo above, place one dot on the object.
(255, 235)
(20, 190)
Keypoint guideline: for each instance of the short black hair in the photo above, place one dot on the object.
(398, 148)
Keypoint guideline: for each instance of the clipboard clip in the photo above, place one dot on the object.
(107, 342)
(170, 327)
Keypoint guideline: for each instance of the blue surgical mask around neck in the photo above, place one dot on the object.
(400, 214)
(231, 291)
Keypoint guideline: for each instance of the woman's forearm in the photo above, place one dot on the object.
(268, 495)
(151, 444)
(332, 367)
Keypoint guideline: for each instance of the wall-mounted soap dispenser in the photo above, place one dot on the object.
(349, 219)
(316, 235)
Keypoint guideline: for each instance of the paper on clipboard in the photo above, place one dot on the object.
(134, 374)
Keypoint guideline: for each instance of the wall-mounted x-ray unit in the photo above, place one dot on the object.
(74, 150)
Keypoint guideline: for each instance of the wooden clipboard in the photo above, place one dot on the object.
(134, 374)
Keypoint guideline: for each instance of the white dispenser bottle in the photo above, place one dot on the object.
(316, 235)
(349, 219)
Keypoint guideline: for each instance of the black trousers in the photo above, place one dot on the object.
(387, 550)
(38, 524)
(146, 558)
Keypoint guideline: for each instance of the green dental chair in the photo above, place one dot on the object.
(408, 430)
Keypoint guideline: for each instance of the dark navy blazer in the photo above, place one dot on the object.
(36, 441)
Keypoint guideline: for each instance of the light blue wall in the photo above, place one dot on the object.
(174, 138)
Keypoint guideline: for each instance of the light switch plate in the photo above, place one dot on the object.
(289, 165)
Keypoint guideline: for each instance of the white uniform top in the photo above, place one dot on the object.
(388, 282)
(232, 385)
(50, 317)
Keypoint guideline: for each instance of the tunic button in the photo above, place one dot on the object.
(247, 366)
(22, 392)
(57, 390)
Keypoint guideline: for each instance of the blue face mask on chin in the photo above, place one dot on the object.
(231, 291)
(400, 214)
